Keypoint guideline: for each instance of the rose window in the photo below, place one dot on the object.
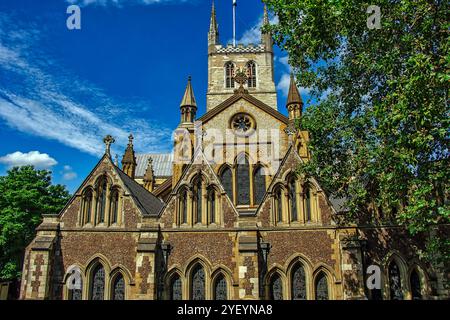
(242, 123)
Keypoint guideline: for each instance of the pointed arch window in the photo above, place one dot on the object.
(175, 288)
(307, 202)
(182, 206)
(198, 283)
(101, 200)
(212, 206)
(97, 287)
(220, 288)
(243, 180)
(293, 199)
(298, 283)
(276, 287)
(75, 291)
(198, 199)
(416, 288)
(251, 74)
(86, 206)
(229, 75)
(118, 288)
(259, 184)
(322, 287)
(395, 282)
(227, 181)
(278, 204)
(114, 206)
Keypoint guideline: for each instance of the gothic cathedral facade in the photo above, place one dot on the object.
(224, 216)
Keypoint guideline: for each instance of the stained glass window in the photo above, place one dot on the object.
(87, 203)
(395, 282)
(198, 201)
(276, 288)
(416, 289)
(114, 206)
(251, 74)
(259, 184)
(227, 182)
(220, 288)
(322, 287)
(229, 75)
(307, 195)
(278, 205)
(101, 200)
(243, 181)
(212, 206)
(298, 283)
(118, 289)
(198, 283)
(175, 288)
(183, 206)
(97, 289)
(293, 200)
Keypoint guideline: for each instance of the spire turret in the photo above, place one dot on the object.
(294, 101)
(149, 176)
(188, 105)
(266, 38)
(213, 34)
(129, 159)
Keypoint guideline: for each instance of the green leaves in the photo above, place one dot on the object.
(25, 194)
(381, 138)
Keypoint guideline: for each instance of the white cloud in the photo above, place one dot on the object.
(68, 173)
(46, 102)
(35, 158)
(120, 2)
(253, 34)
(283, 86)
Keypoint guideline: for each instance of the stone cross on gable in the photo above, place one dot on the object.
(242, 79)
(108, 140)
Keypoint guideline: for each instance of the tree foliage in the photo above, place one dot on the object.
(379, 117)
(25, 195)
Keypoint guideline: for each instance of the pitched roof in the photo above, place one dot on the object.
(188, 98)
(293, 95)
(148, 203)
(241, 95)
(162, 164)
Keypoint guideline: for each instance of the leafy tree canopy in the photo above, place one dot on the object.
(25, 195)
(379, 116)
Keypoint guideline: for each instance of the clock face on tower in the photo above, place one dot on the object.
(243, 124)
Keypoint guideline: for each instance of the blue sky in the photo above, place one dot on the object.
(62, 91)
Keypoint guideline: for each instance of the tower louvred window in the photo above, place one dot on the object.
(251, 74)
(229, 75)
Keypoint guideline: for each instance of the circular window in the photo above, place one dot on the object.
(242, 124)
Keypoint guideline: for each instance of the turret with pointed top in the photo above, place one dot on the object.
(149, 176)
(129, 159)
(266, 38)
(188, 105)
(213, 34)
(294, 102)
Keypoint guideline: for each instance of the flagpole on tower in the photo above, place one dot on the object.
(234, 22)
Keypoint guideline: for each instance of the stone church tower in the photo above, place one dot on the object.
(225, 215)
(225, 61)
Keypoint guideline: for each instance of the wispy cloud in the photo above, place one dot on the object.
(68, 173)
(119, 3)
(253, 34)
(41, 100)
(34, 158)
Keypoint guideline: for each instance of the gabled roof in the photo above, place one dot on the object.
(242, 95)
(167, 184)
(148, 203)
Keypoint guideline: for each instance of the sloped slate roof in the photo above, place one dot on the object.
(162, 164)
(146, 201)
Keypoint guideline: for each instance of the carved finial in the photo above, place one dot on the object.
(130, 139)
(116, 160)
(108, 140)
